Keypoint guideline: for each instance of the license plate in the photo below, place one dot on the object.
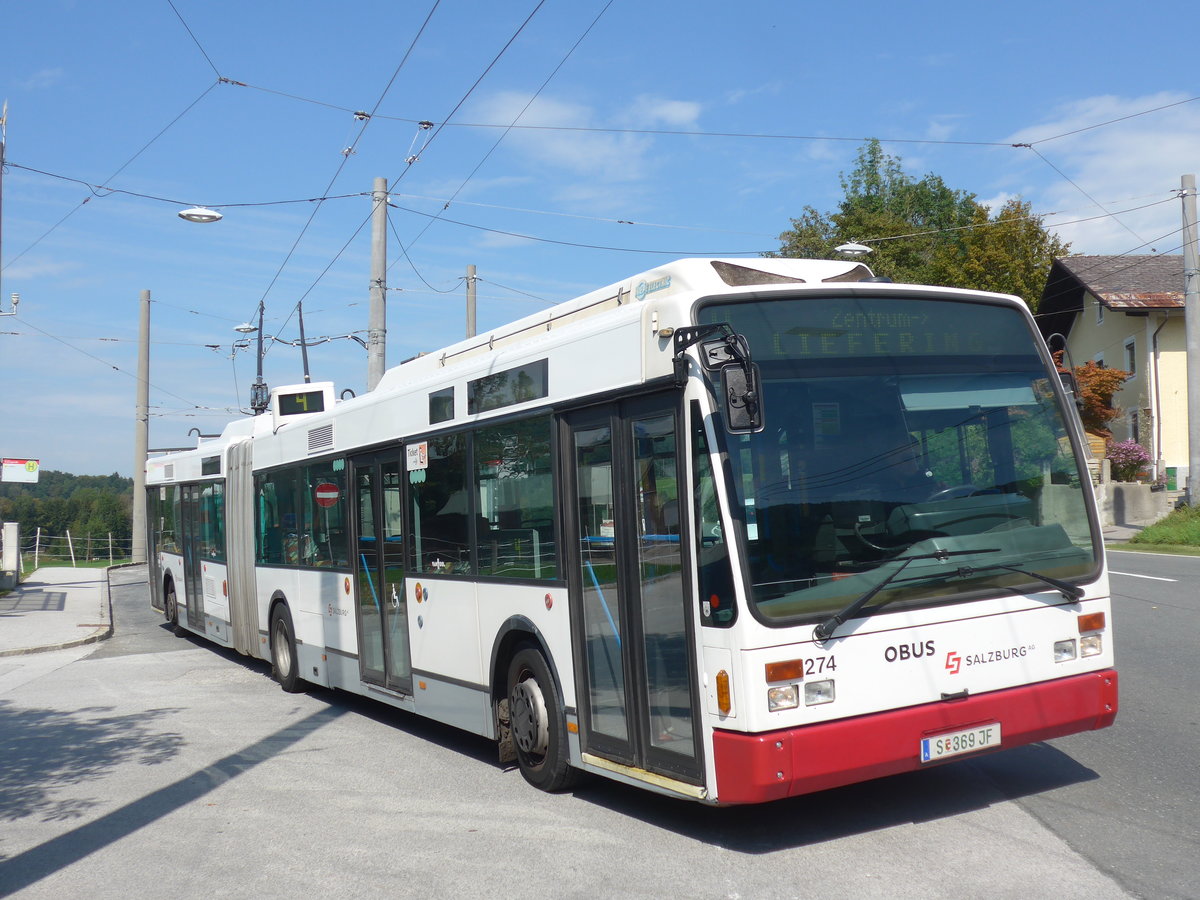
(969, 740)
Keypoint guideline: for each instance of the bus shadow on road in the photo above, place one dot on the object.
(430, 730)
(943, 792)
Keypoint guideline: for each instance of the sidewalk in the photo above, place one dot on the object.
(1120, 534)
(55, 608)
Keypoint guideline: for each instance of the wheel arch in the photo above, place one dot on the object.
(515, 633)
(278, 600)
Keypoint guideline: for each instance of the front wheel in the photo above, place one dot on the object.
(539, 729)
(285, 667)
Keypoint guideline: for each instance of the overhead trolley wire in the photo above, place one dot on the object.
(545, 82)
(195, 40)
(101, 190)
(366, 120)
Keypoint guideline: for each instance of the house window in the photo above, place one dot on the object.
(1099, 360)
(1131, 356)
(1099, 312)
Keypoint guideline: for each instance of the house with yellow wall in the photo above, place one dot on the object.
(1126, 312)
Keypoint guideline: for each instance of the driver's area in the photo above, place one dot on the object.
(852, 471)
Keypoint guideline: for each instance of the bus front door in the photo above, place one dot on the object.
(382, 608)
(635, 664)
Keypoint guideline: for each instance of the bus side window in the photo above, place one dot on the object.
(440, 533)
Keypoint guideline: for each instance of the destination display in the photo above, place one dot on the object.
(872, 327)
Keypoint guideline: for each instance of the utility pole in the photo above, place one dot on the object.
(141, 433)
(1191, 324)
(470, 301)
(377, 326)
(3, 138)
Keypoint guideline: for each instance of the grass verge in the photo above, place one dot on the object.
(1178, 532)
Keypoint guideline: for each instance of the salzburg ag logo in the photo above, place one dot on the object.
(953, 662)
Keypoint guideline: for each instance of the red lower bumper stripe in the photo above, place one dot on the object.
(753, 768)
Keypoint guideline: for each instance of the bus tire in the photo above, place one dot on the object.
(285, 665)
(171, 608)
(539, 728)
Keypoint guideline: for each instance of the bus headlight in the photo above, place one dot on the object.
(818, 692)
(1064, 650)
(787, 697)
(1091, 645)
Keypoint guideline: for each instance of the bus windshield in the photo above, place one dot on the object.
(898, 428)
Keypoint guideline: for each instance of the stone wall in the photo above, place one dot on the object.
(1123, 503)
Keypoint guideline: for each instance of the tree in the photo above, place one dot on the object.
(1095, 388)
(923, 231)
(1010, 253)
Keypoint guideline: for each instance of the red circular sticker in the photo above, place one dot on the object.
(327, 494)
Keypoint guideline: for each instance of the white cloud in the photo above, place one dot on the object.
(941, 128)
(737, 95)
(996, 201)
(648, 111)
(43, 79)
(599, 157)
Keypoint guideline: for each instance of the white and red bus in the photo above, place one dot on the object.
(727, 530)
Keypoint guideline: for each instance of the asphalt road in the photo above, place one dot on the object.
(160, 766)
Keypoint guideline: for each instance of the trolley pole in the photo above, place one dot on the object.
(470, 301)
(377, 327)
(141, 433)
(1191, 321)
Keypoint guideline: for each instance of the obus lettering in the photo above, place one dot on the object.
(903, 652)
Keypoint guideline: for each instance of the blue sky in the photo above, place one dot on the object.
(776, 98)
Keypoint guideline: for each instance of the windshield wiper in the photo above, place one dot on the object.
(1068, 590)
(825, 629)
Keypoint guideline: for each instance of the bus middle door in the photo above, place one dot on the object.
(382, 608)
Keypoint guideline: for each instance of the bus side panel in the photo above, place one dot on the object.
(304, 593)
(336, 595)
(546, 607)
(753, 768)
(443, 628)
(215, 584)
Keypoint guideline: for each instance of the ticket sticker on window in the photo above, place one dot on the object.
(418, 456)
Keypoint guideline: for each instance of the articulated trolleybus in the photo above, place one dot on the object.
(728, 530)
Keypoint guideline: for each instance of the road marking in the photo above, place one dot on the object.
(1151, 577)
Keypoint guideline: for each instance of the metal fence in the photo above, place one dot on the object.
(43, 549)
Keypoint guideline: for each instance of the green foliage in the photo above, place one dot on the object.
(922, 231)
(61, 502)
(1181, 527)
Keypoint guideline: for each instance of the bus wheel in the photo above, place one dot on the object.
(171, 609)
(538, 727)
(285, 667)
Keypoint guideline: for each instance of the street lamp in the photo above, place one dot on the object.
(201, 214)
(853, 249)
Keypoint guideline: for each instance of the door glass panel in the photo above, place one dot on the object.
(392, 575)
(370, 609)
(601, 597)
(660, 574)
(191, 557)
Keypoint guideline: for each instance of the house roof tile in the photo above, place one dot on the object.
(1129, 282)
